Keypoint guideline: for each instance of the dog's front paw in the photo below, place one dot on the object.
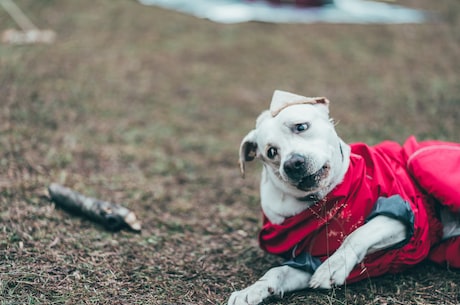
(334, 271)
(252, 295)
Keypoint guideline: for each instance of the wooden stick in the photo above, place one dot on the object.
(111, 215)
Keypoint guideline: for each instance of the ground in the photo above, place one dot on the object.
(147, 107)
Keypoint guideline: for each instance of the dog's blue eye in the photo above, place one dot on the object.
(301, 127)
(272, 152)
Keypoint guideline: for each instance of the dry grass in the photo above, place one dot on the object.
(147, 107)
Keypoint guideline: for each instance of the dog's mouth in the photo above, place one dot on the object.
(311, 183)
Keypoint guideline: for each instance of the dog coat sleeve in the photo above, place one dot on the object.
(393, 206)
(304, 262)
(397, 208)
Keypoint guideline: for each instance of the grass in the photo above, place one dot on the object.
(147, 107)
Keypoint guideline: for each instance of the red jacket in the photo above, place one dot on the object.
(383, 170)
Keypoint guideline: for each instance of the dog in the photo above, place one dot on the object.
(339, 213)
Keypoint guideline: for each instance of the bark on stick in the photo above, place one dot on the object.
(111, 215)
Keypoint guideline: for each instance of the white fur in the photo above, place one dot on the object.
(379, 233)
(321, 143)
(279, 198)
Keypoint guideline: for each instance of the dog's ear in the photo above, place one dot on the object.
(284, 99)
(248, 149)
(322, 101)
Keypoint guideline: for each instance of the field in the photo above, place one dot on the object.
(147, 107)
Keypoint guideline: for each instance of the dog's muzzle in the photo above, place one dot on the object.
(299, 173)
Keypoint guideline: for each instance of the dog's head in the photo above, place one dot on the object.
(298, 145)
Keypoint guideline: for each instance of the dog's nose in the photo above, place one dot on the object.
(295, 166)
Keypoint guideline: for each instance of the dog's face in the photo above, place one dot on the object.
(299, 148)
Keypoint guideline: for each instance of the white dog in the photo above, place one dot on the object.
(331, 208)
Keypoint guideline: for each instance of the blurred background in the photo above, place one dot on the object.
(146, 107)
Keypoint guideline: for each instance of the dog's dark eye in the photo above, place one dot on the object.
(272, 152)
(298, 128)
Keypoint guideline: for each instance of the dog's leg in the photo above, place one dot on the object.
(379, 233)
(276, 281)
